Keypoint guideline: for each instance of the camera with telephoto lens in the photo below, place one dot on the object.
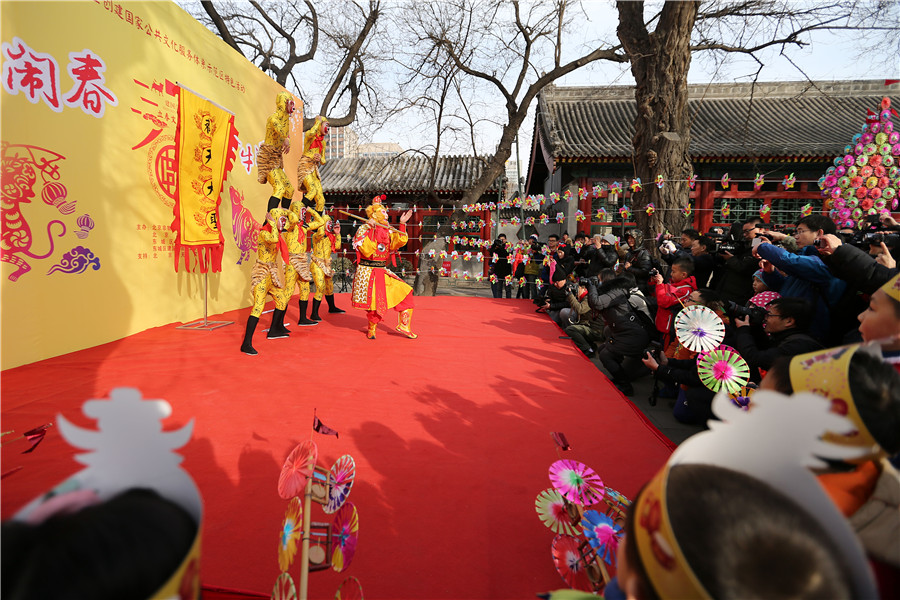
(729, 247)
(756, 314)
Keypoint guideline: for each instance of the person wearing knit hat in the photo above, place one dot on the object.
(759, 284)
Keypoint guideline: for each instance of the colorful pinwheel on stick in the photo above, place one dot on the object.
(615, 188)
(602, 533)
(579, 215)
(699, 328)
(726, 210)
(806, 210)
(601, 214)
(291, 532)
(567, 560)
(651, 208)
(551, 509)
(340, 481)
(625, 213)
(723, 369)
(345, 533)
(636, 185)
(686, 210)
(545, 219)
(692, 181)
(660, 182)
(596, 190)
(560, 217)
(577, 482)
(582, 193)
(296, 469)
(725, 179)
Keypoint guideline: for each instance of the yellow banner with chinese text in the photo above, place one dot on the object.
(89, 171)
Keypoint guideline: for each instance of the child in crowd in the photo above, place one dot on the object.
(669, 296)
(882, 320)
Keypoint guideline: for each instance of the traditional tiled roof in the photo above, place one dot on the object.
(786, 119)
(401, 174)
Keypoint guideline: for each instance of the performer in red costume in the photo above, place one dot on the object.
(375, 288)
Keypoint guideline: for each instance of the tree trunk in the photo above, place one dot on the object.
(659, 62)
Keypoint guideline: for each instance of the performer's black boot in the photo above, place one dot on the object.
(277, 329)
(273, 203)
(303, 320)
(247, 347)
(314, 315)
(329, 298)
(285, 203)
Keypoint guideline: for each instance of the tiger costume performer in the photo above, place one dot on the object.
(325, 241)
(375, 288)
(297, 271)
(270, 159)
(267, 277)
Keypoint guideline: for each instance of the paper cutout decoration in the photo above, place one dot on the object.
(789, 181)
(603, 534)
(577, 482)
(551, 509)
(723, 369)
(291, 532)
(284, 588)
(296, 469)
(340, 480)
(699, 328)
(350, 589)
(345, 533)
(567, 560)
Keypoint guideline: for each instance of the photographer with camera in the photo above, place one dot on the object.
(806, 274)
(687, 240)
(737, 265)
(785, 322)
(601, 254)
(500, 267)
(628, 330)
(588, 330)
(860, 270)
(636, 259)
(555, 299)
(702, 251)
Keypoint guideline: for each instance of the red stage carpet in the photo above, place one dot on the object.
(450, 433)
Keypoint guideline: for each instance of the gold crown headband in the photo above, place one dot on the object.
(827, 373)
(661, 556)
(892, 287)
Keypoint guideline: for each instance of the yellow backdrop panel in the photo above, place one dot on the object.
(88, 134)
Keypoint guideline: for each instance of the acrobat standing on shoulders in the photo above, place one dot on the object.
(375, 288)
(266, 278)
(308, 168)
(298, 265)
(270, 158)
(325, 240)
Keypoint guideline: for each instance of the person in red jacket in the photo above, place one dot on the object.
(669, 296)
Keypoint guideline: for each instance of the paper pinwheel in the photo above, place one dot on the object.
(625, 213)
(660, 182)
(551, 509)
(651, 208)
(612, 496)
(567, 560)
(576, 481)
(806, 210)
(597, 190)
(582, 193)
(284, 588)
(725, 179)
(699, 328)
(723, 369)
(692, 181)
(291, 531)
(340, 480)
(350, 589)
(579, 215)
(601, 214)
(726, 210)
(567, 194)
(615, 188)
(560, 217)
(636, 185)
(764, 210)
(686, 211)
(603, 534)
(345, 533)
(297, 467)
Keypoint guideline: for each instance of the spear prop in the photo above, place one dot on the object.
(366, 221)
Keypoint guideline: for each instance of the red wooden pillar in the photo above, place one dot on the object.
(584, 205)
(706, 202)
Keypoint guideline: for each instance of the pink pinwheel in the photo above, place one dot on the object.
(723, 369)
(345, 533)
(297, 468)
(551, 509)
(699, 328)
(340, 480)
(567, 559)
(603, 534)
(576, 481)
